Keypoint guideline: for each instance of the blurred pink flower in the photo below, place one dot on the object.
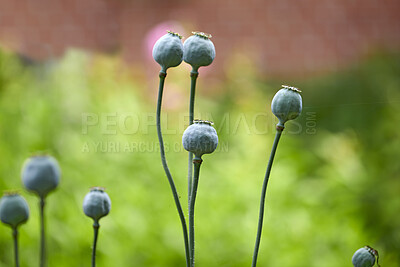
(156, 32)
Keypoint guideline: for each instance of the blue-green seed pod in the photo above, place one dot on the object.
(198, 50)
(364, 257)
(286, 104)
(41, 174)
(200, 138)
(13, 210)
(168, 50)
(96, 203)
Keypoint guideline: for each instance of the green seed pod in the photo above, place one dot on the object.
(364, 257)
(41, 174)
(96, 203)
(168, 50)
(200, 138)
(13, 210)
(286, 104)
(198, 50)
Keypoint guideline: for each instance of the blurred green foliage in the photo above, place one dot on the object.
(334, 187)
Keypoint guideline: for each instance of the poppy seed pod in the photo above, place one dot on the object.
(286, 104)
(364, 257)
(96, 203)
(41, 174)
(168, 50)
(198, 50)
(200, 138)
(13, 210)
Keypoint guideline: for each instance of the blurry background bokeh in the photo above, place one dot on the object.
(77, 81)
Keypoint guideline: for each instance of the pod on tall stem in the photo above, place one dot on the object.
(41, 175)
(199, 138)
(198, 51)
(14, 211)
(96, 205)
(286, 105)
(168, 52)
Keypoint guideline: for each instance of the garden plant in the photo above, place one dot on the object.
(96, 205)
(14, 211)
(201, 138)
(41, 173)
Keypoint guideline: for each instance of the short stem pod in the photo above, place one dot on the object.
(14, 211)
(96, 205)
(199, 138)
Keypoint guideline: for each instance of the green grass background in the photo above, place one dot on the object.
(334, 186)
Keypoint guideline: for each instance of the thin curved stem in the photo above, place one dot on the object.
(279, 130)
(96, 227)
(15, 237)
(42, 234)
(193, 76)
(166, 169)
(197, 163)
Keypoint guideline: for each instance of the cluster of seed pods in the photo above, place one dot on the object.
(41, 175)
(200, 137)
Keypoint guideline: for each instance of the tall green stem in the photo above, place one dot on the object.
(15, 237)
(196, 162)
(166, 169)
(193, 76)
(42, 233)
(96, 227)
(279, 130)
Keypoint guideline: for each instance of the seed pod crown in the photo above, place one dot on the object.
(364, 257)
(168, 50)
(41, 174)
(200, 138)
(287, 104)
(14, 209)
(199, 50)
(96, 203)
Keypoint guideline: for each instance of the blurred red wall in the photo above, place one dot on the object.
(282, 36)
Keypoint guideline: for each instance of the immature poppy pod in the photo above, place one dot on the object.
(96, 203)
(198, 50)
(41, 174)
(200, 138)
(168, 50)
(286, 104)
(365, 257)
(13, 210)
